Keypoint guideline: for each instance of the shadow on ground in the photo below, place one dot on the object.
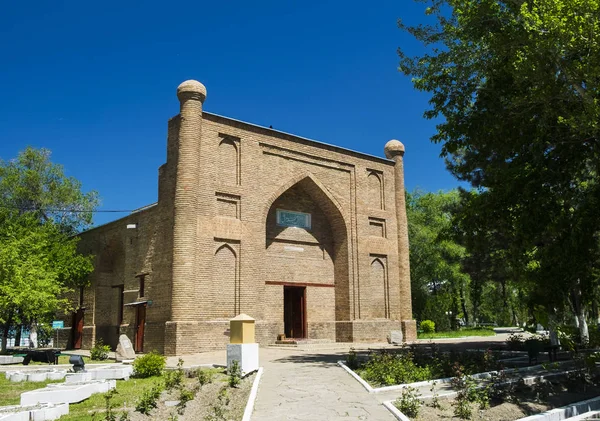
(330, 359)
(316, 359)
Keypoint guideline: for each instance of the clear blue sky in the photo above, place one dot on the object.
(95, 82)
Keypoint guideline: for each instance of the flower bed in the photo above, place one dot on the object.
(500, 398)
(409, 365)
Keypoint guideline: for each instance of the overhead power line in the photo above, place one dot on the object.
(67, 210)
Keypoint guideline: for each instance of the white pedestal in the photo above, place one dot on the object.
(245, 354)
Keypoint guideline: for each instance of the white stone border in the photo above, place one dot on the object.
(252, 398)
(567, 411)
(38, 413)
(395, 411)
(590, 406)
(484, 375)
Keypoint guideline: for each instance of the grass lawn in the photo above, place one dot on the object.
(456, 333)
(64, 359)
(10, 392)
(128, 392)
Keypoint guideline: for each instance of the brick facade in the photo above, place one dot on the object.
(213, 247)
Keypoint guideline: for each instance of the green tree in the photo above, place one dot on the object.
(32, 184)
(40, 210)
(439, 286)
(514, 85)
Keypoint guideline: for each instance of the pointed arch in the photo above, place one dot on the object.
(292, 254)
(306, 179)
(225, 282)
(228, 161)
(375, 189)
(375, 291)
(226, 246)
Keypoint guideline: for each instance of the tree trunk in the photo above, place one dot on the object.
(552, 329)
(33, 339)
(5, 332)
(18, 335)
(579, 310)
(464, 305)
(515, 319)
(583, 326)
(595, 313)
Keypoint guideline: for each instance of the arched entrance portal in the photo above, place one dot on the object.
(307, 260)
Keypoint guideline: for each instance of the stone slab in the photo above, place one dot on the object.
(34, 375)
(122, 372)
(396, 337)
(65, 393)
(124, 349)
(18, 413)
(9, 359)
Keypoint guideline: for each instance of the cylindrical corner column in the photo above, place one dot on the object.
(395, 150)
(191, 96)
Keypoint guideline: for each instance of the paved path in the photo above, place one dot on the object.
(307, 384)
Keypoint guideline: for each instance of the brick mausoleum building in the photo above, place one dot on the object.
(309, 239)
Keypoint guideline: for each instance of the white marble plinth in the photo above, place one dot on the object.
(245, 354)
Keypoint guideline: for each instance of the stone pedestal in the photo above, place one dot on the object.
(245, 354)
(242, 347)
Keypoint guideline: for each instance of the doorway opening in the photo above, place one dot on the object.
(77, 328)
(140, 323)
(294, 312)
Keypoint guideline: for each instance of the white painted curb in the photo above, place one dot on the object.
(395, 411)
(357, 377)
(252, 397)
(574, 412)
(566, 412)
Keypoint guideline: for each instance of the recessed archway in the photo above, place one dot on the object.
(306, 246)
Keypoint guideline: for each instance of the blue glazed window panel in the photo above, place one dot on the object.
(287, 218)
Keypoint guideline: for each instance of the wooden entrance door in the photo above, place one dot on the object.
(140, 322)
(77, 328)
(294, 311)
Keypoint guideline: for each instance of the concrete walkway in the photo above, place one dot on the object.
(304, 385)
(307, 384)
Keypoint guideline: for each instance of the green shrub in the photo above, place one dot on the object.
(185, 395)
(149, 399)
(435, 397)
(151, 364)
(408, 403)
(204, 376)
(386, 369)
(99, 351)
(235, 374)
(174, 378)
(109, 415)
(352, 359)
(466, 393)
(427, 326)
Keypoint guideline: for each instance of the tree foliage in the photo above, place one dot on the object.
(32, 184)
(515, 86)
(439, 285)
(39, 260)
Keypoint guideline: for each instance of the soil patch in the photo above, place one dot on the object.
(507, 411)
(213, 401)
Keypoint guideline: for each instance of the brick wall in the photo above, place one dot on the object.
(211, 248)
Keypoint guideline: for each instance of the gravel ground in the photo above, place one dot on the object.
(507, 411)
(206, 404)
